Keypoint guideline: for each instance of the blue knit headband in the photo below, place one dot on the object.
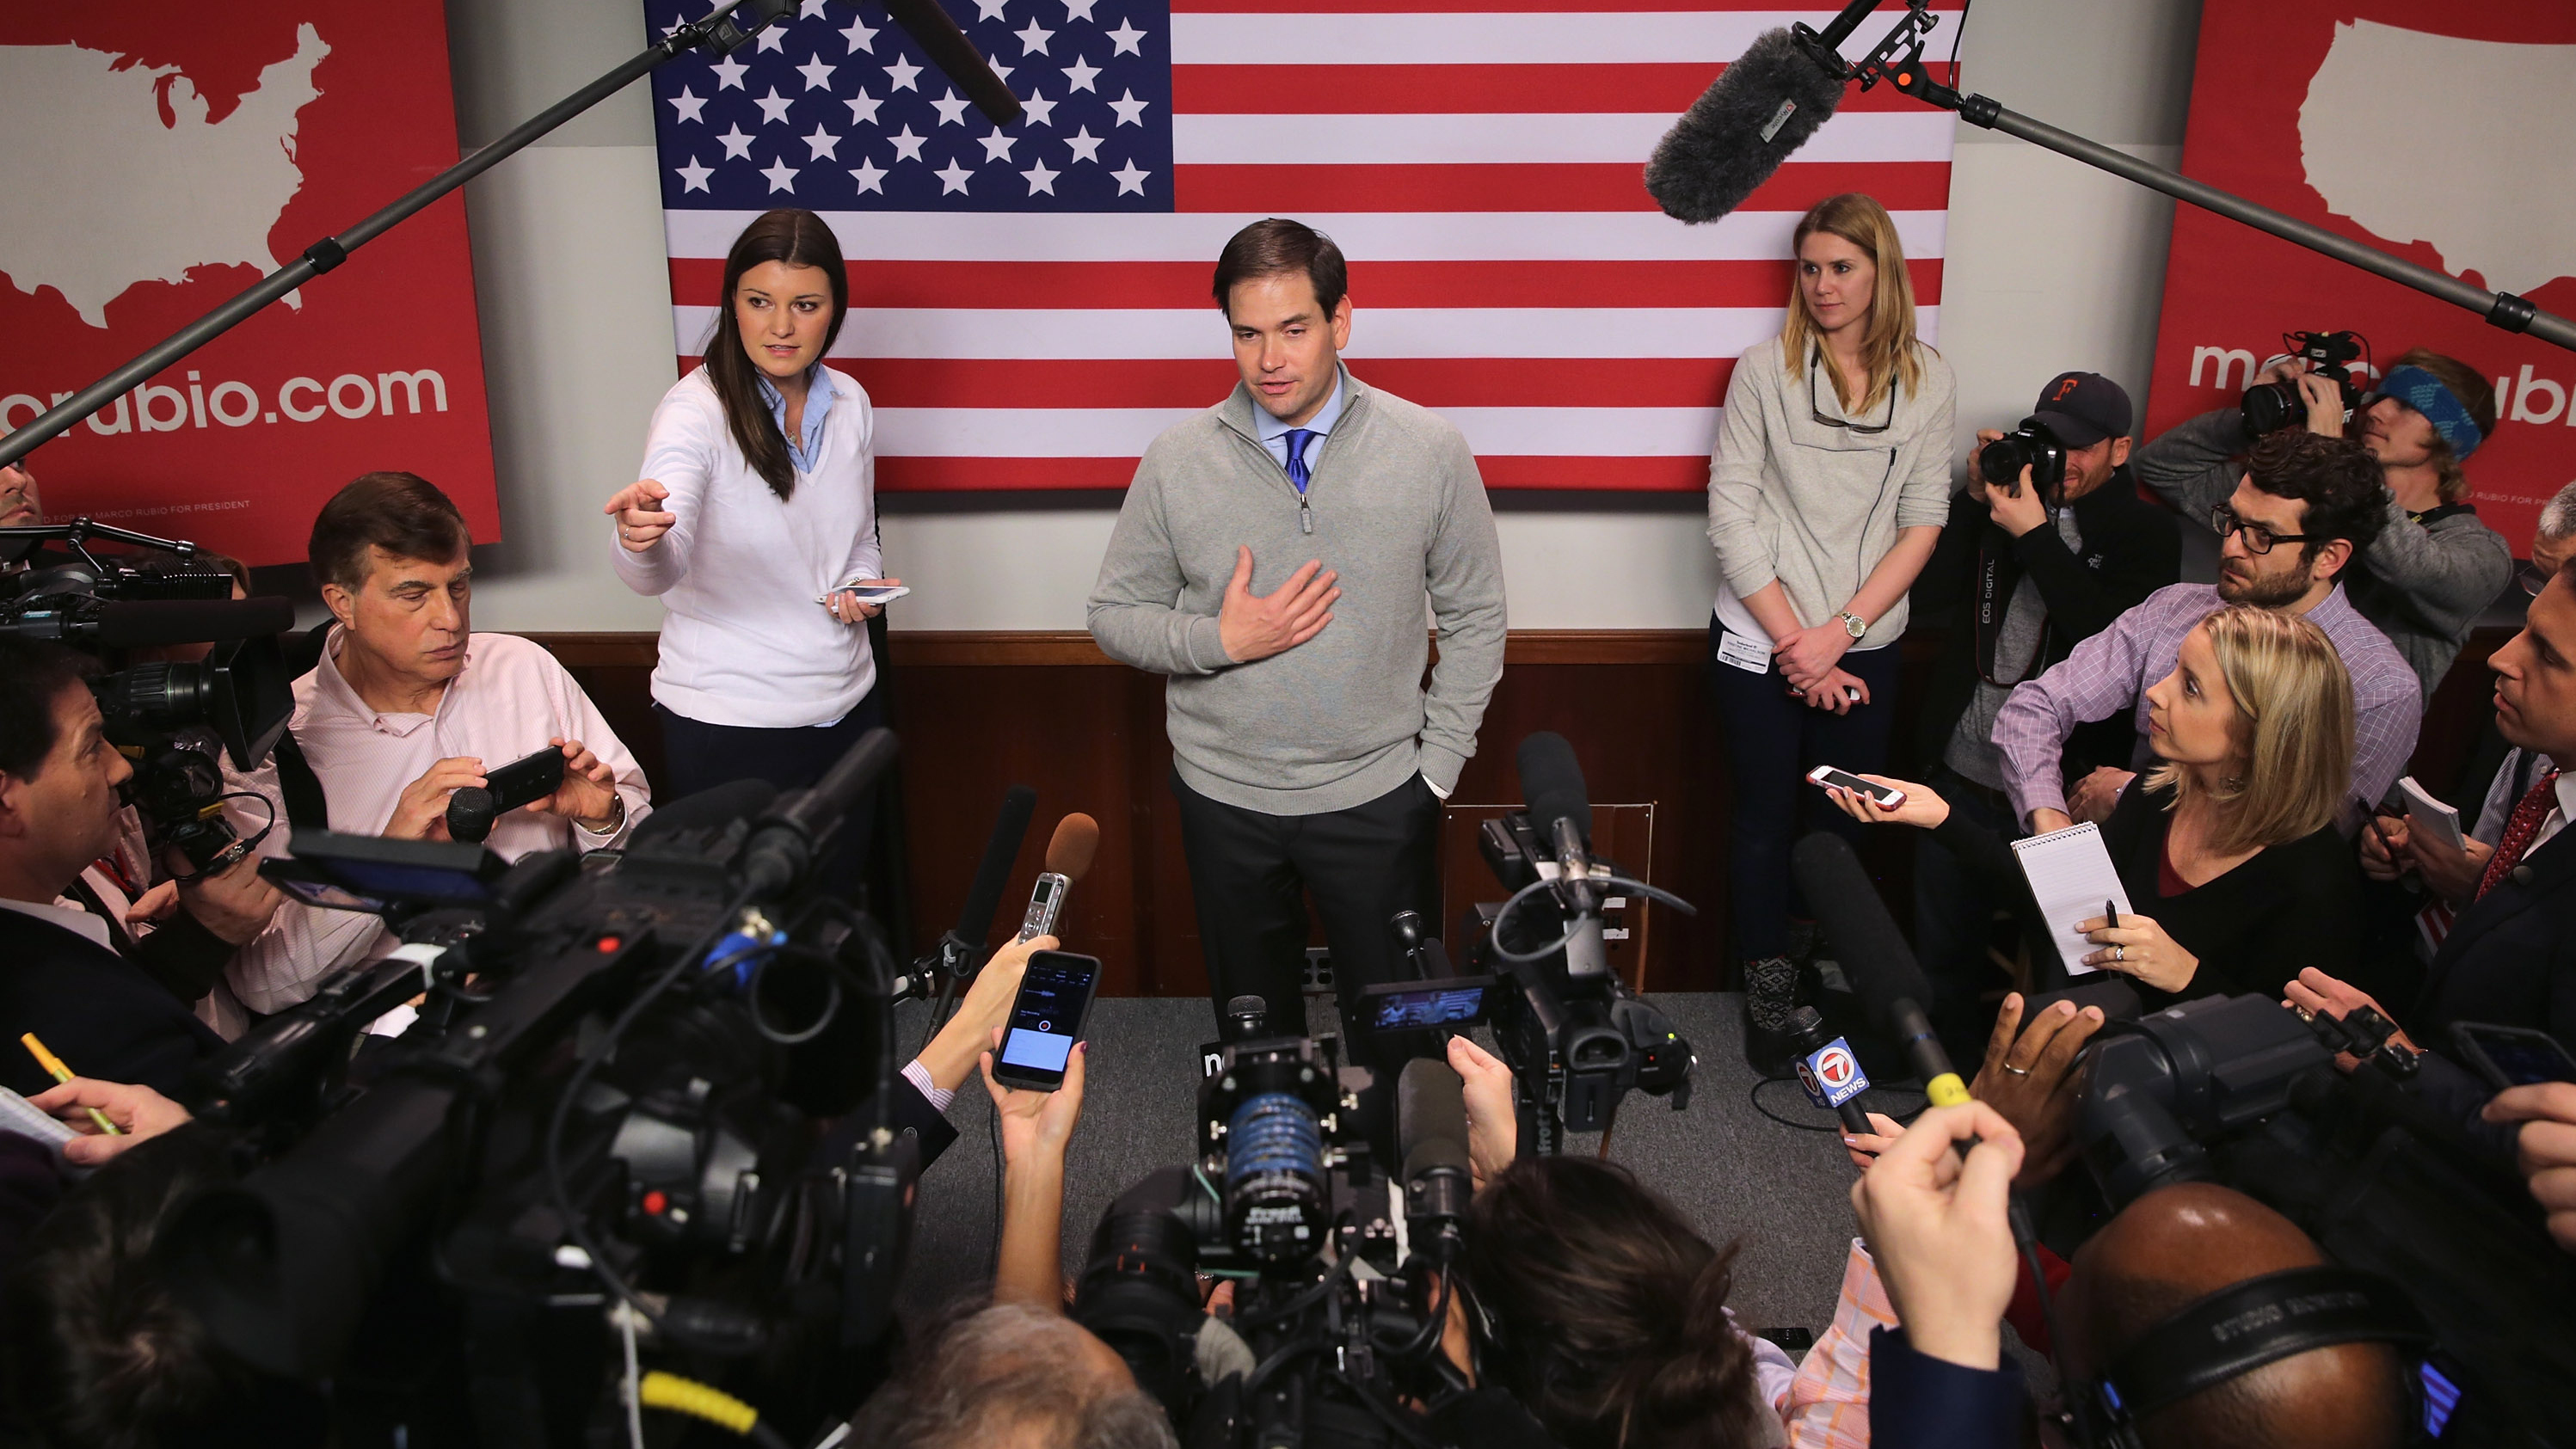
(2424, 392)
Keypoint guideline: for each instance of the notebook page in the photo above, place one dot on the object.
(2070, 875)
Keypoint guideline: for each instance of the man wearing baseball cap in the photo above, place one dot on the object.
(2024, 574)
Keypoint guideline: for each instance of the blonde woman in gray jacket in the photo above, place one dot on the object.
(1828, 490)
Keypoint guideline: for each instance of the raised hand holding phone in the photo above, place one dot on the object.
(1046, 1020)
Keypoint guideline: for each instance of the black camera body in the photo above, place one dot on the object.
(2272, 406)
(611, 1091)
(1331, 1330)
(2243, 1092)
(2031, 446)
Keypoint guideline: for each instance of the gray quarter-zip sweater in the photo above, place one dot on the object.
(1395, 505)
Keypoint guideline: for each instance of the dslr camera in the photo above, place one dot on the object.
(2031, 446)
(2272, 406)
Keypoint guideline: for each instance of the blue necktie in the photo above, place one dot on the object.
(1298, 473)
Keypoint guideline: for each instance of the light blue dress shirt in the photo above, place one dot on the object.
(804, 447)
(1274, 433)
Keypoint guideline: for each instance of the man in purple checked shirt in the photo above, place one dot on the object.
(2307, 506)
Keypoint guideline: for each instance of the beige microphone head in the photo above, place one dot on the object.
(1077, 840)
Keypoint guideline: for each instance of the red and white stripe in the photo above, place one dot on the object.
(1478, 161)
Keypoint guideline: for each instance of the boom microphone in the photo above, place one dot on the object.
(1431, 1138)
(948, 48)
(1069, 853)
(1875, 957)
(1764, 105)
(984, 897)
(128, 624)
(785, 843)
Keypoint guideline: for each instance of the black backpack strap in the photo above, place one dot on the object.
(306, 809)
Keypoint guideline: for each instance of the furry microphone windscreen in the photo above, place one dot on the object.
(1764, 105)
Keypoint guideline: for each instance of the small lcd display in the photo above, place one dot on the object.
(1431, 1006)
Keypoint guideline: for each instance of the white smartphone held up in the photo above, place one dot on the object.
(1887, 796)
(869, 594)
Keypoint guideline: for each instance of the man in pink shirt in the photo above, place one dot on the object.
(408, 706)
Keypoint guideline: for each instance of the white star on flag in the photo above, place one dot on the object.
(1079, 10)
(1125, 38)
(951, 109)
(1000, 71)
(1034, 38)
(736, 144)
(1078, 75)
(997, 147)
(1086, 146)
(1041, 111)
(901, 73)
(693, 177)
(1130, 178)
(989, 9)
(1041, 179)
(782, 177)
(907, 146)
(861, 37)
(689, 107)
(822, 142)
(953, 179)
(729, 73)
(863, 108)
(774, 38)
(1130, 110)
(869, 176)
(773, 108)
(810, 10)
(818, 75)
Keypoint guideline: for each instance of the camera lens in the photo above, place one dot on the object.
(1274, 1178)
(156, 695)
(2272, 406)
(2004, 458)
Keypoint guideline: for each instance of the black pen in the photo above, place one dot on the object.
(2111, 909)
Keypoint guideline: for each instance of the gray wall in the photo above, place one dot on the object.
(2051, 266)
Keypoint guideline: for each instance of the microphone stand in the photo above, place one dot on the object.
(717, 34)
(1910, 75)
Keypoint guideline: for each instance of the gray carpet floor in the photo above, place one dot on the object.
(1784, 1193)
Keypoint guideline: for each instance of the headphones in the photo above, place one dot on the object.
(2240, 1329)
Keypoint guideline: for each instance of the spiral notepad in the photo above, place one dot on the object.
(19, 1115)
(2071, 875)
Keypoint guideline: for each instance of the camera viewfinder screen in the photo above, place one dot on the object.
(1437, 1006)
(1048, 1017)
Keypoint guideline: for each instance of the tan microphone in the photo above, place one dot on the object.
(1068, 859)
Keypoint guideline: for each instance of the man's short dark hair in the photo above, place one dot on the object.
(1276, 246)
(2336, 478)
(402, 513)
(32, 676)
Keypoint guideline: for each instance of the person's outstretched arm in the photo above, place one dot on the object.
(1035, 1128)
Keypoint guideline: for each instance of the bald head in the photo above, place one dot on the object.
(2180, 1244)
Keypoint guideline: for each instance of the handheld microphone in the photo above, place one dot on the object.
(1764, 105)
(470, 813)
(1068, 859)
(1829, 1070)
(1881, 966)
(1431, 1138)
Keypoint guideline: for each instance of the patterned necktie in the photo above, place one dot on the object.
(1297, 470)
(2519, 828)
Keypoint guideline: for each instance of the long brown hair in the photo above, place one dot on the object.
(1616, 1336)
(799, 239)
(1888, 350)
(2294, 722)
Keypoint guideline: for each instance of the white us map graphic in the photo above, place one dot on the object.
(116, 178)
(2466, 145)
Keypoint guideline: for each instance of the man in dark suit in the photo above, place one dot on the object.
(59, 977)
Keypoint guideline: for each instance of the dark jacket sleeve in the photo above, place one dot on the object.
(1917, 1402)
(913, 1113)
(185, 957)
(1942, 588)
(2082, 602)
(2319, 922)
(1982, 851)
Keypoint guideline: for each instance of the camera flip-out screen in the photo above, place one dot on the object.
(373, 874)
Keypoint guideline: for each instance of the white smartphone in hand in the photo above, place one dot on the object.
(871, 594)
(1887, 796)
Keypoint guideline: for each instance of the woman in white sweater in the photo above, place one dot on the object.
(1828, 490)
(755, 519)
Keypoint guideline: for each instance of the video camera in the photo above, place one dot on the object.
(172, 718)
(2244, 1092)
(1335, 1332)
(2272, 406)
(602, 1125)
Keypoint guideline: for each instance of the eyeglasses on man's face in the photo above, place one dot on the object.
(2259, 538)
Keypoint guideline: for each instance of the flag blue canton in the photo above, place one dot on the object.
(835, 109)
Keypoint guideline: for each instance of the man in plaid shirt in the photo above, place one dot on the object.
(2307, 506)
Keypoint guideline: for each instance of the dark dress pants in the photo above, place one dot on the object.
(1250, 876)
(699, 756)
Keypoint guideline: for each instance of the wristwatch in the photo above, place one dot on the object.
(1853, 624)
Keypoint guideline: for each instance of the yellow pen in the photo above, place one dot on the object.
(54, 1068)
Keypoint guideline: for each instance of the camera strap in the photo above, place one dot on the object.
(1996, 585)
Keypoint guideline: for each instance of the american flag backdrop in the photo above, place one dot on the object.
(1030, 306)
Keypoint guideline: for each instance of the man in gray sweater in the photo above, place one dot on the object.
(1274, 558)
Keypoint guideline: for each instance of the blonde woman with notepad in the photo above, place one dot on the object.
(2228, 849)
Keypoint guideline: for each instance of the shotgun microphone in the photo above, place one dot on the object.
(1765, 104)
(956, 57)
(965, 944)
(1874, 955)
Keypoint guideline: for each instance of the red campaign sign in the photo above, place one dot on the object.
(162, 156)
(2443, 134)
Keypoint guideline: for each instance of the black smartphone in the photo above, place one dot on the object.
(525, 780)
(1055, 1000)
(1456, 1001)
(2512, 1056)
